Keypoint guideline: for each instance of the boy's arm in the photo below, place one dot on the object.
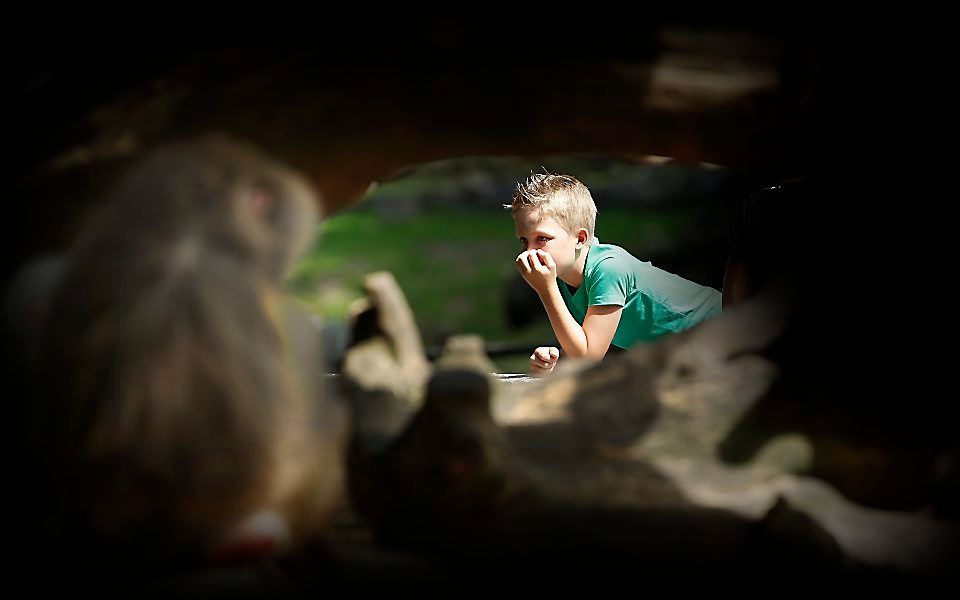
(599, 326)
(590, 341)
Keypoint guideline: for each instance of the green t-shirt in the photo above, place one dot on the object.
(654, 301)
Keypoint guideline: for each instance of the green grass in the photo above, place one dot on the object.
(450, 268)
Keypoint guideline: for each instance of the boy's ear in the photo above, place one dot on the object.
(582, 236)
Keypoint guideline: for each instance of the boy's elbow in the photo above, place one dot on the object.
(595, 353)
(596, 349)
(577, 352)
(591, 352)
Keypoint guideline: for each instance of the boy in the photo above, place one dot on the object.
(604, 295)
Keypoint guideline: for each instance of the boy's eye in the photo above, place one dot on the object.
(543, 239)
(523, 242)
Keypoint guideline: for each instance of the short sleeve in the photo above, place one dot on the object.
(608, 284)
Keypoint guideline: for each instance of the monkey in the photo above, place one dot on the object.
(178, 413)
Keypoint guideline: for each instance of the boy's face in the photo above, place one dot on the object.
(542, 232)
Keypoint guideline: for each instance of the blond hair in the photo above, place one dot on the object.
(562, 197)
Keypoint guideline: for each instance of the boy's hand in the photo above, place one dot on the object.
(538, 269)
(543, 360)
